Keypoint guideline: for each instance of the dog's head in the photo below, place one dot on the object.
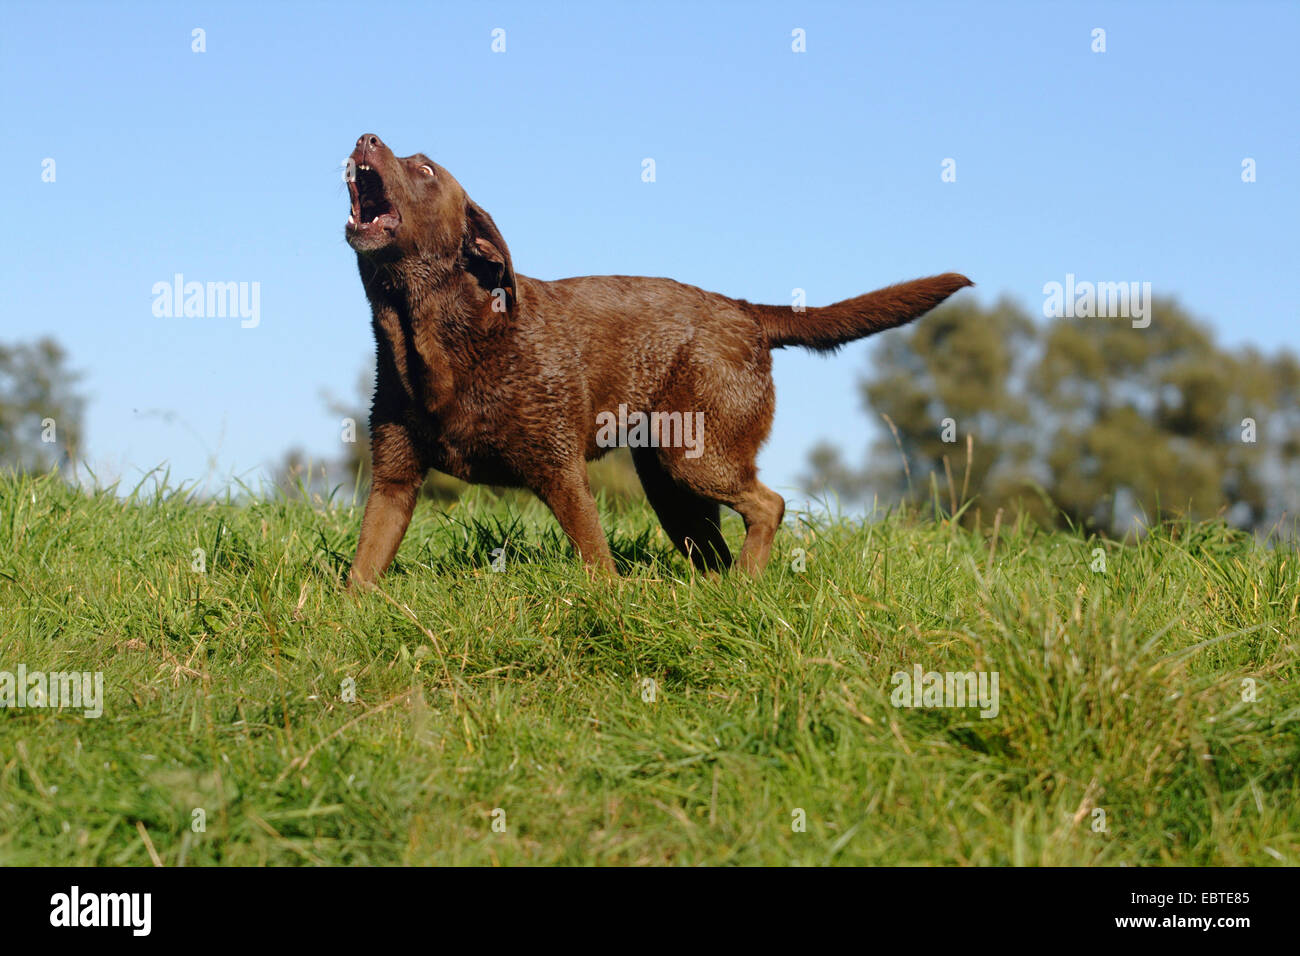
(411, 206)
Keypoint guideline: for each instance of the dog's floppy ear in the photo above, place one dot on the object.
(486, 253)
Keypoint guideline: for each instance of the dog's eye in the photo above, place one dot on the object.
(427, 170)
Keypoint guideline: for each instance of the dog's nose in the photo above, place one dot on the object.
(367, 146)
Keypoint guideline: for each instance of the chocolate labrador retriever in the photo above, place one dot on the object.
(498, 378)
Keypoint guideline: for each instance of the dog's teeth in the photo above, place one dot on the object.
(352, 220)
(376, 219)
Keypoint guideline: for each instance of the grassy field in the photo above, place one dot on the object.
(503, 717)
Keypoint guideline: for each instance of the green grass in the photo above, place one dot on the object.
(1121, 691)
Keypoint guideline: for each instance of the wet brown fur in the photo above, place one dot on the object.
(504, 387)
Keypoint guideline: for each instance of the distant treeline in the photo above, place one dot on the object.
(1090, 422)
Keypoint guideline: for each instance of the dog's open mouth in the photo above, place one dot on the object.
(372, 214)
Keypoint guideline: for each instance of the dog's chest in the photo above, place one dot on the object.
(423, 370)
(456, 418)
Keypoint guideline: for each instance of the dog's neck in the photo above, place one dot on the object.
(429, 313)
(426, 290)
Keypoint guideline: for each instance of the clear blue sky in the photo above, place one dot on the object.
(775, 170)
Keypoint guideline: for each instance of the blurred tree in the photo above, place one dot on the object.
(960, 372)
(41, 411)
(1085, 421)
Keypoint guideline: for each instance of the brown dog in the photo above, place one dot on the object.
(498, 378)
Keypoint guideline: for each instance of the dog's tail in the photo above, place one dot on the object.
(827, 328)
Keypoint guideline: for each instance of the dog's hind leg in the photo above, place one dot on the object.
(691, 521)
(762, 508)
(729, 477)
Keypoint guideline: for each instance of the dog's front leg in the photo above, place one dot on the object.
(569, 496)
(394, 487)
